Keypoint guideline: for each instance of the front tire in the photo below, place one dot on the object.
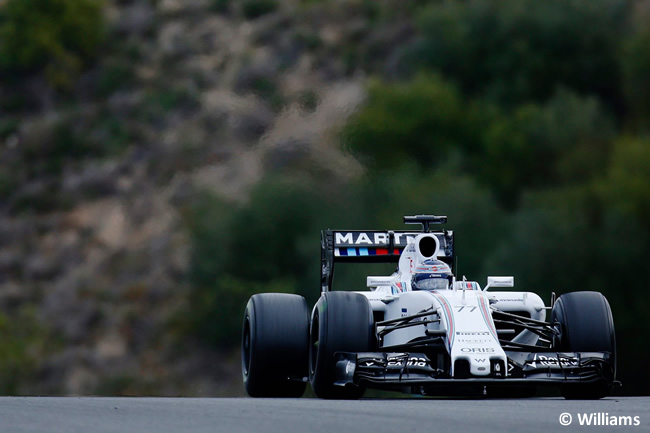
(585, 324)
(275, 338)
(341, 322)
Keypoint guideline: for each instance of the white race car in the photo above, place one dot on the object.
(422, 331)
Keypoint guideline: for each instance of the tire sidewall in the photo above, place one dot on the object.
(319, 373)
(251, 373)
(342, 322)
(275, 338)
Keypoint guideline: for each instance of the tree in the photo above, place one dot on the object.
(514, 51)
(565, 141)
(423, 120)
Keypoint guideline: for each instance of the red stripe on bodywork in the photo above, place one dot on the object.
(450, 317)
(486, 315)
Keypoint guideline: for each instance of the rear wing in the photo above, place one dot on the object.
(373, 246)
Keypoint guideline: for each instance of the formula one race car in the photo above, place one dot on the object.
(422, 331)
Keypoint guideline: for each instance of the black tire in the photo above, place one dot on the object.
(341, 322)
(275, 339)
(585, 324)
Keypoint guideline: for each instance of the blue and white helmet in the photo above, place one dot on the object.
(432, 275)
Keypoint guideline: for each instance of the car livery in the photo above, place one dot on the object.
(461, 339)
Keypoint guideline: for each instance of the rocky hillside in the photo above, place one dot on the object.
(147, 145)
(96, 178)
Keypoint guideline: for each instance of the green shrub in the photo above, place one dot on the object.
(65, 143)
(256, 8)
(8, 183)
(24, 341)
(220, 6)
(114, 75)
(8, 127)
(310, 39)
(266, 88)
(308, 100)
(54, 37)
(158, 102)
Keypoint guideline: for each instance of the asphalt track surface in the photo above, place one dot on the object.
(247, 415)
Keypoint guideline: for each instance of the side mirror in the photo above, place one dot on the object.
(500, 282)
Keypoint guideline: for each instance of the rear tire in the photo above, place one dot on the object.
(341, 322)
(586, 325)
(275, 338)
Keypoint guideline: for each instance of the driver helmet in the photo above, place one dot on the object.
(432, 275)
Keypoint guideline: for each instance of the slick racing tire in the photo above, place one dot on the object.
(585, 324)
(275, 338)
(341, 322)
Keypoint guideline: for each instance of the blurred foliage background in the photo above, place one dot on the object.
(526, 122)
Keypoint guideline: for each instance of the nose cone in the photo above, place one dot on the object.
(479, 366)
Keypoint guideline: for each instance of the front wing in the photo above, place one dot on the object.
(390, 370)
